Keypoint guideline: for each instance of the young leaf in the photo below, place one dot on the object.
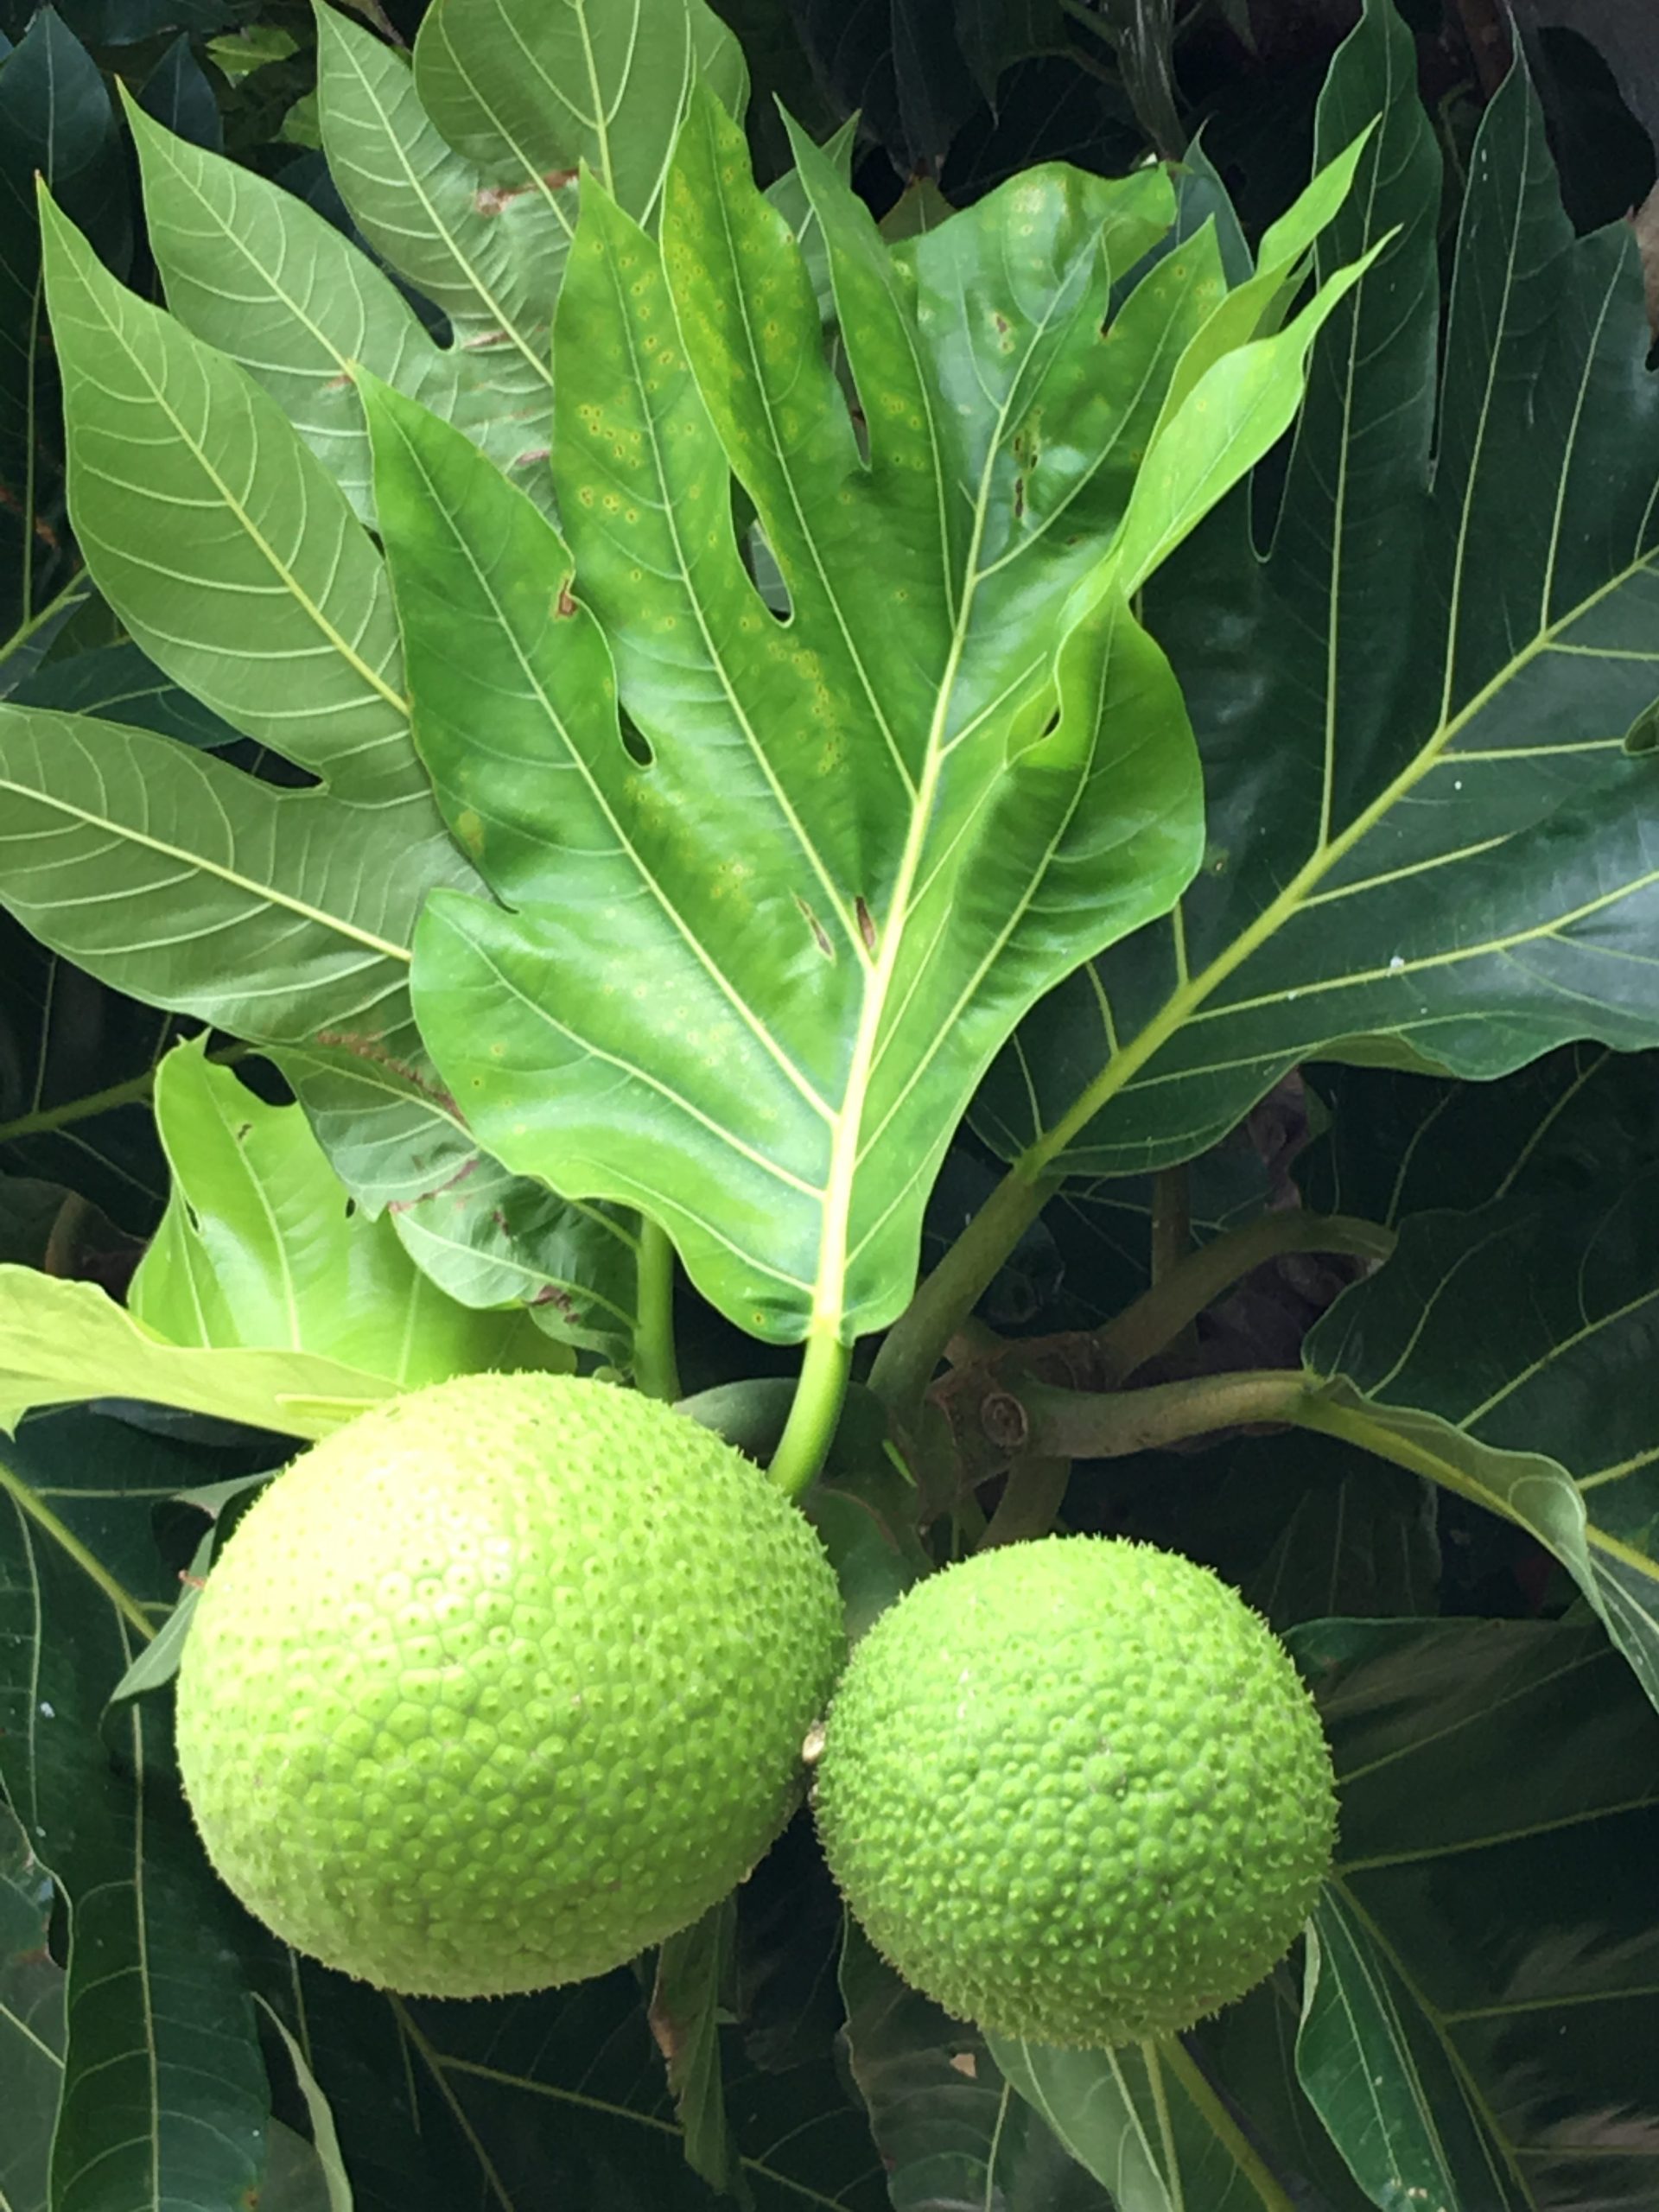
(1427, 843)
(849, 848)
(61, 1343)
(261, 1249)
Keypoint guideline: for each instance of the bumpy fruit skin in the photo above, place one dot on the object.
(503, 1683)
(1075, 1791)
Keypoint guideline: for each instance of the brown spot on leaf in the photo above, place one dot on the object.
(820, 935)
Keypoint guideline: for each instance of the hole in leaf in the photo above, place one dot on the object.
(635, 743)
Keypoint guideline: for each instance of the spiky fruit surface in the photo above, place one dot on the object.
(1075, 1791)
(503, 1683)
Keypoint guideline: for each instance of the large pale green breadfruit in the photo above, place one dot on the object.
(1075, 1791)
(503, 1683)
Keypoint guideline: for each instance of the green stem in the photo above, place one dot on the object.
(1157, 1318)
(1222, 2125)
(1031, 1499)
(132, 1092)
(1110, 1424)
(70, 1544)
(915, 1344)
(75, 590)
(655, 1368)
(814, 1412)
(1152, 2059)
(1172, 1219)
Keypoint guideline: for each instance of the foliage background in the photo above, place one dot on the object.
(1480, 2033)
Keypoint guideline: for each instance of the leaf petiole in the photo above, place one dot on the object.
(815, 1412)
(656, 1370)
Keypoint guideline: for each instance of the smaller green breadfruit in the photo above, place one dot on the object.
(1076, 1791)
(502, 1682)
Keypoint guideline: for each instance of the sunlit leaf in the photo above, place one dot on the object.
(261, 1248)
(531, 90)
(846, 850)
(142, 860)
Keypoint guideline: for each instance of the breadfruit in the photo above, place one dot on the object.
(501, 1683)
(1075, 1791)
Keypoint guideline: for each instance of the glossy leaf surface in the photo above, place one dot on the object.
(1428, 845)
(767, 930)
(1485, 1952)
(1511, 1351)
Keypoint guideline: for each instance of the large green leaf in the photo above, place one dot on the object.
(1428, 844)
(143, 861)
(1509, 1354)
(767, 932)
(531, 90)
(267, 281)
(1480, 1990)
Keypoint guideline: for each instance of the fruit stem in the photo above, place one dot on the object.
(1031, 1500)
(814, 1412)
(656, 1371)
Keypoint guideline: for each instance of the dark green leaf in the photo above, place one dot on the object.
(950, 2130)
(1404, 1144)
(164, 2096)
(1509, 1354)
(177, 93)
(31, 2023)
(1146, 2122)
(121, 683)
(56, 122)
(694, 1976)
(1475, 2031)
(1428, 845)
